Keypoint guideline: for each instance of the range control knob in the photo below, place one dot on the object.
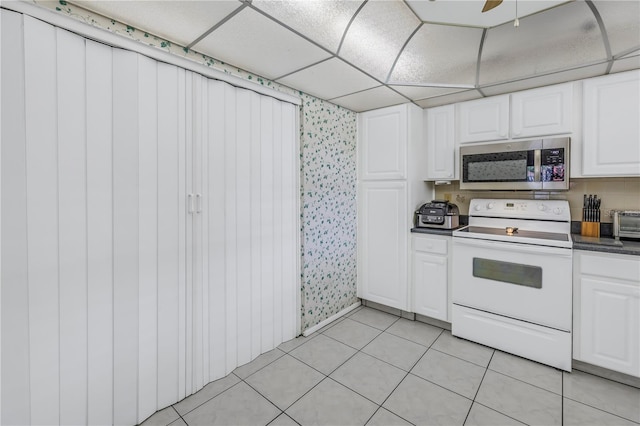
(477, 207)
(542, 207)
(557, 210)
(490, 206)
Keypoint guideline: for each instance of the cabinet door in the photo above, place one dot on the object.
(609, 324)
(544, 111)
(430, 285)
(382, 243)
(611, 131)
(382, 143)
(440, 142)
(484, 119)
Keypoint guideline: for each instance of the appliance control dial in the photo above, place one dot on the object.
(542, 207)
(490, 205)
(477, 207)
(557, 210)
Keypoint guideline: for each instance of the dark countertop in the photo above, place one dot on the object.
(606, 245)
(434, 231)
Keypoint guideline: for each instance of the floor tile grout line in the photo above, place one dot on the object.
(479, 386)
(525, 382)
(270, 402)
(217, 395)
(353, 347)
(383, 329)
(266, 365)
(379, 406)
(179, 416)
(406, 375)
(493, 409)
(617, 382)
(465, 360)
(562, 398)
(599, 409)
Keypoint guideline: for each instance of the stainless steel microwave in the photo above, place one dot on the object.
(540, 164)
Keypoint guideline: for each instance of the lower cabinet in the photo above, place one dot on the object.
(430, 276)
(607, 310)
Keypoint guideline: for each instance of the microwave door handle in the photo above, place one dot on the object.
(537, 165)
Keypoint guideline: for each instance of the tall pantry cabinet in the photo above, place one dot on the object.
(390, 188)
(135, 268)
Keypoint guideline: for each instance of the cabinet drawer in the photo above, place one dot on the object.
(430, 245)
(611, 266)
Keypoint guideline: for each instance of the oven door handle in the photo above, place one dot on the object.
(514, 247)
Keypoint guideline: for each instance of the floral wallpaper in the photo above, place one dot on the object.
(328, 177)
(328, 162)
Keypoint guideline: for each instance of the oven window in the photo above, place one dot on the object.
(512, 273)
(515, 166)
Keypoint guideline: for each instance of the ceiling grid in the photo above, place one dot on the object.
(365, 54)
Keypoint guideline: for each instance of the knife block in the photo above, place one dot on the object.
(590, 229)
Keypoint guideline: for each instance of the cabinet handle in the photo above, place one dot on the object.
(198, 203)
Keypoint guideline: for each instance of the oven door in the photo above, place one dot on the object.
(521, 281)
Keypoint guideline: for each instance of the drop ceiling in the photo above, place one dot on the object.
(368, 54)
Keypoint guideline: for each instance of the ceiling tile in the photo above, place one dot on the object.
(323, 21)
(546, 80)
(329, 79)
(178, 21)
(622, 23)
(565, 37)
(629, 62)
(467, 95)
(420, 92)
(370, 99)
(439, 54)
(377, 35)
(469, 12)
(257, 44)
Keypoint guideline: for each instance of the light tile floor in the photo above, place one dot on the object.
(374, 368)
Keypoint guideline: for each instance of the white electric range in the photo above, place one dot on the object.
(512, 278)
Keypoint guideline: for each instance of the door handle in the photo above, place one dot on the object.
(198, 203)
(190, 207)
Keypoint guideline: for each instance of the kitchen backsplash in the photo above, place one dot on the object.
(616, 194)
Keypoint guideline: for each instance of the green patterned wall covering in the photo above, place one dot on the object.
(328, 178)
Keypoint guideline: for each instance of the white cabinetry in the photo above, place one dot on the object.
(430, 278)
(440, 131)
(390, 188)
(541, 112)
(384, 155)
(483, 119)
(382, 267)
(607, 310)
(611, 144)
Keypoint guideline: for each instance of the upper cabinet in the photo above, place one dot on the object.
(440, 131)
(541, 112)
(530, 113)
(382, 144)
(611, 138)
(483, 119)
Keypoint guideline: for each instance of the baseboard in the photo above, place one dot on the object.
(606, 373)
(331, 319)
(435, 322)
(389, 310)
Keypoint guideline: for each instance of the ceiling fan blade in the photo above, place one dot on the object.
(490, 4)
